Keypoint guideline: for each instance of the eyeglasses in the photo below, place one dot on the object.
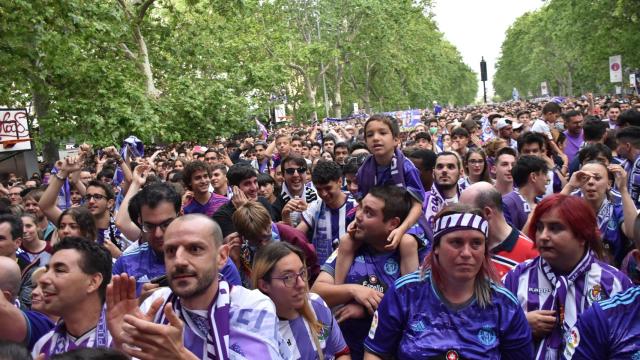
(97, 197)
(301, 170)
(149, 228)
(290, 280)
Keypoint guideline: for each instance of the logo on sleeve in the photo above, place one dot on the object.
(418, 326)
(487, 336)
(391, 267)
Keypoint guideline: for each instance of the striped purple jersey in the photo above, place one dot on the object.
(296, 334)
(529, 281)
(249, 328)
(58, 340)
(610, 329)
(328, 225)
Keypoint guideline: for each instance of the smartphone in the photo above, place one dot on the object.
(161, 280)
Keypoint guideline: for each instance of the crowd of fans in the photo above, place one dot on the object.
(497, 231)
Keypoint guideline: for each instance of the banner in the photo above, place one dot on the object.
(515, 95)
(14, 130)
(280, 113)
(615, 69)
(544, 89)
(408, 118)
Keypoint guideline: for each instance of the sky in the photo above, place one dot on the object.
(477, 28)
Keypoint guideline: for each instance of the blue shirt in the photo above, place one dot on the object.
(371, 269)
(608, 330)
(414, 321)
(145, 264)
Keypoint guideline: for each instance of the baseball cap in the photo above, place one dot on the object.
(517, 125)
(503, 123)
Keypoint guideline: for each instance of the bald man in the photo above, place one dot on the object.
(26, 326)
(508, 245)
(209, 318)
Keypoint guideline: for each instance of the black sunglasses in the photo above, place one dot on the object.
(301, 170)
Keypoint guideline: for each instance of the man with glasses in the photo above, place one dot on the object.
(99, 199)
(296, 192)
(15, 194)
(157, 204)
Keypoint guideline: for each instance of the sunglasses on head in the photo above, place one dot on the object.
(291, 171)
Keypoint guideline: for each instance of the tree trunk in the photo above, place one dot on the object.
(337, 96)
(50, 152)
(145, 64)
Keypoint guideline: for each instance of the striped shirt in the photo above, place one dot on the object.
(296, 334)
(328, 225)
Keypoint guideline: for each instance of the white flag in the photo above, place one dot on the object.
(615, 69)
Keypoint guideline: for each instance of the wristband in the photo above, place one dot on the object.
(57, 175)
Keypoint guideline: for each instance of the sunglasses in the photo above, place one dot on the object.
(290, 171)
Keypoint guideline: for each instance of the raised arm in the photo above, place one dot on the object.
(123, 219)
(47, 202)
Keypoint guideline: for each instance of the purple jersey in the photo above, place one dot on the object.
(383, 176)
(144, 264)
(37, 326)
(591, 280)
(297, 337)
(414, 321)
(610, 329)
(208, 208)
(516, 209)
(328, 225)
(371, 269)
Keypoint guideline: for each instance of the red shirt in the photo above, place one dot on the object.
(516, 248)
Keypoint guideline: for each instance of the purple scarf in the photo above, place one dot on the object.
(217, 338)
(564, 302)
(61, 343)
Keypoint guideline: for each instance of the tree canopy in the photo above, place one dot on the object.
(567, 43)
(172, 70)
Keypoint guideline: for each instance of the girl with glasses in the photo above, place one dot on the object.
(475, 168)
(308, 329)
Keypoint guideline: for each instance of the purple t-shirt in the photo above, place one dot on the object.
(572, 144)
(208, 208)
(516, 209)
(37, 326)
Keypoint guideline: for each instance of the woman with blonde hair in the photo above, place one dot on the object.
(307, 327)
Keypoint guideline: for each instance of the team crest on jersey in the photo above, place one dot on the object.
(636, 356)
(595, 293)
(374, 325)
(418, 326)
(324, 333)
(452, 355)
(391, 267)
(359, 259)
(487, 335)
